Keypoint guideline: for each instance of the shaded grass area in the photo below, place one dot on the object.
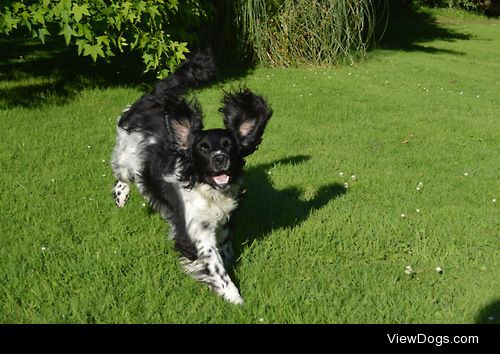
(410, 30)
(310, 248)
(33, 74)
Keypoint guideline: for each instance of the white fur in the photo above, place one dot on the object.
(221, 284)
(208, 204)
(198, 211)
(126, 160)
(121, 193)
(205, 209)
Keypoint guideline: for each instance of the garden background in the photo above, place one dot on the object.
(372, 199)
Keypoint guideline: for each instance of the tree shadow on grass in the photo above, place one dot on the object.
(489, 314)
(407, 28)
(34, 74)
(264, 209)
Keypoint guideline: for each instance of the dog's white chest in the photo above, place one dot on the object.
(205, 203)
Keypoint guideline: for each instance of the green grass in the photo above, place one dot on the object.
(424, 108)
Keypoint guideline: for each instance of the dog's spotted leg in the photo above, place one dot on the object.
(210, 270)
(224, 238)
(208, 267)
(121, 192)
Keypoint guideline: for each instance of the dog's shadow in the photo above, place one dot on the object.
(264, 209)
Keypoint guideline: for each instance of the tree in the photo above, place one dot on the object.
(159, 30)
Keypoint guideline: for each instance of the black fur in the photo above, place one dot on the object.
(242, 108)
(177, 156)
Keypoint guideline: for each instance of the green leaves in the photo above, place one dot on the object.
(79, 11)
(153, 12)
(7, 23)
(41, 33)
(38, 16)
(100, 28)
(93, 50)
(67, 32)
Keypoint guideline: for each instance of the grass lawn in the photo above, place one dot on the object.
(413, 132)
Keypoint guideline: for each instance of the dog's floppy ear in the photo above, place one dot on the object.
(183, 119)
(245, 115)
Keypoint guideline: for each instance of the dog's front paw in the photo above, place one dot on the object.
(121, 193)
(231, 294)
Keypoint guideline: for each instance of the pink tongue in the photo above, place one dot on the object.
(221, 179)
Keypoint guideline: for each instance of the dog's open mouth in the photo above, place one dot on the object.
(221, 180)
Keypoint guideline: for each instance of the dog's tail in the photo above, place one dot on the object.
(197, 71)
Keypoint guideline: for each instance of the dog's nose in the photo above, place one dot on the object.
(220, 162)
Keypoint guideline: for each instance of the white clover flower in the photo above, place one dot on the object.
(466, 174)
(439, 270)
(354, 178)
(418, 210)
(494, 200)
(43, 248)
(346, 185)
(408, 270)
(403, 215)
(341, 174)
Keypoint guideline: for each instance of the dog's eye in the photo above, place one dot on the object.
(226, 143)
(204, 147)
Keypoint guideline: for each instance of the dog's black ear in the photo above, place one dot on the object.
(246, 115)
(183, 119)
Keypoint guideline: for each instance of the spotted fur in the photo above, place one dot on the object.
(191, 176)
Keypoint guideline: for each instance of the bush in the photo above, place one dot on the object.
(159, 30)
(469, 5)
(300, 32)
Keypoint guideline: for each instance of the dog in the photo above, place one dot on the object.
(191, 176)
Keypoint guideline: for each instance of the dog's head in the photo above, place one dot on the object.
(216, 156)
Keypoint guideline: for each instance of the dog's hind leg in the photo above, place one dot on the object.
(121, 192)
(126, 162)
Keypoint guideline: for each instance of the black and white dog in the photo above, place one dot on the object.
(191, 176)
